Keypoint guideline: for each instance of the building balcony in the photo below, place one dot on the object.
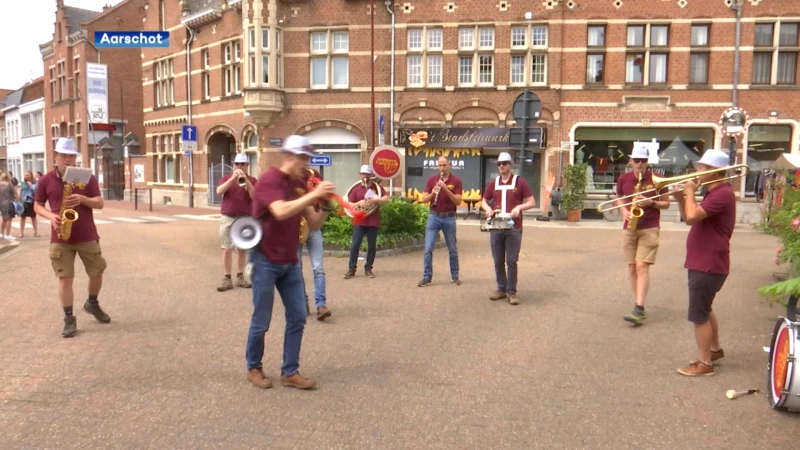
(264, 104)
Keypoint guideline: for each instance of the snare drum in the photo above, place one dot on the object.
(501, 221)
(783, 385)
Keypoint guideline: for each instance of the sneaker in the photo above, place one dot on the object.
(70, 327)
(297, 381)
(498, 295)
(323, 313)
(716, 355)
(226, 285)
(636, 316)
(95, 310)
(258, 378)
(456, 281)
(350, 274)
(696, 368)
(242, 283)
(369, 273)
(512, 299)
(424, 282)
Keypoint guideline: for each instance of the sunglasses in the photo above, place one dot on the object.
(639, 160)
(503, 163)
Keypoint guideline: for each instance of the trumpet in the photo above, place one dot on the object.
(660, 183)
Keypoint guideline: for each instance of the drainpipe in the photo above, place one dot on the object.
(391, 93)
(372, 68)
(89, 130)
(189, 107)
(737, 5)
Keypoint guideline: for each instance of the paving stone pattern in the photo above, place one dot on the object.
(398, 367)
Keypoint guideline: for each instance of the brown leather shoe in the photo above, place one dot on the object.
(323, 313)
(498, 295)
(715, 355)
(349, 274)
(696, 368)
(258, 378)
(369, 274)
(512, 298)
(298, 381)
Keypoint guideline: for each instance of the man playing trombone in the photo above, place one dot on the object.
(237, 191)
(641, 225)
(707, 252)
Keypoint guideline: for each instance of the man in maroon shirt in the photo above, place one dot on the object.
(236, 202)
(315, 248)
(280, 201)
(508, 193)
(640, 245)
(443, 191)
(83, 240)
(707, 254)
(366, 194)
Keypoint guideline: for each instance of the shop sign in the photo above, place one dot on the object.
(385, 162)
(454, 137)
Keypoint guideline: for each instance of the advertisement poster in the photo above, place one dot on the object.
(422, 163)
(138, 173)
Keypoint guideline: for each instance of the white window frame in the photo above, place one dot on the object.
(428, 55)
(648, 50)
(476, 46)
(165, 83)
(232, 68)
(326, 46)
(532, 55)
(776, 49)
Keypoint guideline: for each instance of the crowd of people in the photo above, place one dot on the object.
(16, 200)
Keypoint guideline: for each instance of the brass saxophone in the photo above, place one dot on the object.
(68, 215)
(636, 211)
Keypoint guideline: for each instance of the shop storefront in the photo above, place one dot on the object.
(765, 143)
(473, 155)
(605, 150)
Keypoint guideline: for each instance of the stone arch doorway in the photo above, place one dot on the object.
(221, 145)
(344, 148)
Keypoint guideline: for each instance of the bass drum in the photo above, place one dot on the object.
(783, 383)
(375, 187)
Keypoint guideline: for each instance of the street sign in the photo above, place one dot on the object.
(527, 106)
(189, 133)
(186, 153)
(733, 122)
(189, 146)
(320, 160)
(385, 162)
(535, 136)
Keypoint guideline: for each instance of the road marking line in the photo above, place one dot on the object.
(128, 219)
(199, 217)
(101, 222)
(159, 219)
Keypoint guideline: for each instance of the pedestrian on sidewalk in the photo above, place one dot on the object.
(237, 191)
(280, 202)
(8, 195)
(27, 193)
(83, 240)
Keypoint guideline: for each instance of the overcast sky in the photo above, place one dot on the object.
(26, 24)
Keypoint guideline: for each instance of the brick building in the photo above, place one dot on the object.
(67, 59)
(4, 94)
(608, 74)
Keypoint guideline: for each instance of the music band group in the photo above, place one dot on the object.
(290, 203)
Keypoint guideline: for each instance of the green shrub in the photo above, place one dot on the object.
(784, 222)
(400, 221)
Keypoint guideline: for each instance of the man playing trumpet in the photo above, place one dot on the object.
(443, 191)
(237, 191)
(640, 235)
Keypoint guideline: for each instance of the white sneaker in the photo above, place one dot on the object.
(11, 238)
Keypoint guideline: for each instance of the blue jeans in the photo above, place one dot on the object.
(314, 245)
(372, 245)
(448, 227)
(287, 278)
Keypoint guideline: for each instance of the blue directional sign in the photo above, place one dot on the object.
(189, 133)
(320, 160)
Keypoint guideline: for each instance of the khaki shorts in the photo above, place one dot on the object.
(62, 256)
(640, 245)
(225, 223)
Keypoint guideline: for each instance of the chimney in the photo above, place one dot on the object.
(106, 7)
(59, 4)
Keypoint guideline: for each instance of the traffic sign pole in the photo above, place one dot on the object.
(189, 138)
(526, 106)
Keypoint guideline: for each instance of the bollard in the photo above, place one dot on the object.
(136, 199)
(151, 199)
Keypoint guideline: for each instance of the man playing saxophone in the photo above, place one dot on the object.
(70, 236)
(640, 235)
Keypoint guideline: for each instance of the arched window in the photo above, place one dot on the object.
(252, 141)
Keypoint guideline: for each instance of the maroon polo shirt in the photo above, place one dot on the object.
(514, 197)
(236, 201)
(281, 237)
(444, 204)
(50, 189)
(626, 183)
(708, 246)
(309, 185)
(356, 195)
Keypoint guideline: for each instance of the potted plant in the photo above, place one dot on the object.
(574, 192)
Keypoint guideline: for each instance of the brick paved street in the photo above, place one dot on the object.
(397, 366)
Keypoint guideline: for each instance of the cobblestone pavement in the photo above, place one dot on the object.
(397, 366)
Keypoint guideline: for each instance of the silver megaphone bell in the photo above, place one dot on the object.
(246, 233)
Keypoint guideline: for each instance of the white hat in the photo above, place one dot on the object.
(640, 152)
(298, 145)
(505, 157)
(714, 158)
(366, 169)
(66, 146)
(241, 158)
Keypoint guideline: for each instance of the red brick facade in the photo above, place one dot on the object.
(557, 38)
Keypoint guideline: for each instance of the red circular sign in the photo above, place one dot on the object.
(385, 162)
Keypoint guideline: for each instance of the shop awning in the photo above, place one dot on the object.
(787, 161)
(676, 154)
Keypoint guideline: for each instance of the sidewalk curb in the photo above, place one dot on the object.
(11, 245)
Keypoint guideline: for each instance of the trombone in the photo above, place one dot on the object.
(660, 183)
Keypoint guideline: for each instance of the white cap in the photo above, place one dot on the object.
(66, 146)
(298, 145)
(714, 158)
(505, 157)
(241, 158)
(640, 152)
(366, 169)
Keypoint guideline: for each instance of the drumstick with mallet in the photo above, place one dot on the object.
(733, 395)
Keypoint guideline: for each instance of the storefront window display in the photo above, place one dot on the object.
(606, 150)
(765, 143)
